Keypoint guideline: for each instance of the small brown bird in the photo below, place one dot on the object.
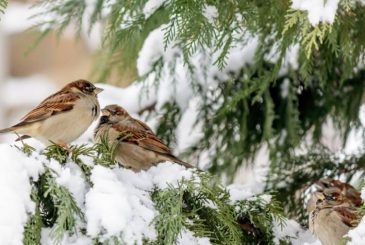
(332, 217)
(347, 190)
(63, 116)
(138, 148)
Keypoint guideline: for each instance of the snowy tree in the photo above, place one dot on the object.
(225, 82)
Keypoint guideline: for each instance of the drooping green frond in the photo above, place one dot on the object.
(3, 4)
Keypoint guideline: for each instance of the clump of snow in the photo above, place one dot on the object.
(17, 17)
(151, 6)
(210, 12)
(108, 206)
(70, 176)
(187, 237)
(119, 201)
(318, 10)
(238, 192)
(76, 239)
(188, 132)
(153, 50)
(292, 231)
(15, 191)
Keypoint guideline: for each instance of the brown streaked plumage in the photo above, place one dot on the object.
(61, 117)
(347, 190)
(138, 147)
(333, 216)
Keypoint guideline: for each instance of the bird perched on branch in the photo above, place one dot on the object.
(63, 116)
(137, 147)
(333, 213)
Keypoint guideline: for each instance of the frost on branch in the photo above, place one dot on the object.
(72, 200)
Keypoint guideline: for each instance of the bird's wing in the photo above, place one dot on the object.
(348, 215)
(143, 125)
(57, 103)
(143, 138)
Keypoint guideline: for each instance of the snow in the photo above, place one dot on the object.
(238, 192)
(71, 177)
(187, 237)
(15, 190)
(151, 6)
(357, 235)
(318, 10)
(294, 232)
(17, 18)
(119, 202)
(15, 88)
(210, 12)
(78, 239)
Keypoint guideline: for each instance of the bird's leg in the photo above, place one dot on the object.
(65, 146)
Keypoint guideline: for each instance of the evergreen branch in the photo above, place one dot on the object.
(67, 210)
(56, 152)
(33, 227)
(105, 151)
(3, 5)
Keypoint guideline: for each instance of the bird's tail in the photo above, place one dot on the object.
(185, 164)
(7, 130)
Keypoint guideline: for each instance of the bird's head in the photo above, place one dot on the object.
(113, 113)
(84, 87)
(329, 197)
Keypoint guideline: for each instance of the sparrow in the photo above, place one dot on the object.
(137, 147)
(332, 217)
(62, 117)
(347, 190)
(350, 195)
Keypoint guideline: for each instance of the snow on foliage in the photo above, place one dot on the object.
(318, 10)
(116, 204)
(15, 191)
(151, 6)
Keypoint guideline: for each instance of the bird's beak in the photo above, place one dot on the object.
(319, 195)
(105, 112)
(98, 90)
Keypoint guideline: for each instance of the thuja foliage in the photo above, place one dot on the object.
(204, 207)
(3, 4)
(268, 102)
(199, 205)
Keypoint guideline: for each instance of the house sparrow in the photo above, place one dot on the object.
(332, 217)
(347, 190)
(63, 116)
(137, 147)
(350, 195)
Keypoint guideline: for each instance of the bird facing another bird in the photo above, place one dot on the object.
(64, 116)
(137, 147)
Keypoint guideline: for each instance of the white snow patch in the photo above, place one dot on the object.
(187, 238)
(76, 239)
(119, 201)
(15, 191)
(210, 12)
(294, 232)
(151, 6)
(318, 10)
(238, 192)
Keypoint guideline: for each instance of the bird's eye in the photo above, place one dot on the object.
(330, 198)
(89, 88)
(114, 113)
